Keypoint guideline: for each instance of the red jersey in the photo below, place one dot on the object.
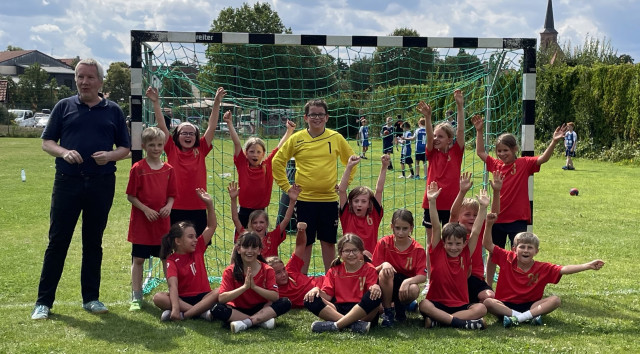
(255, 182)
(270, 242)
(477, 264)
(410, 262)
(517, 286)
(365, 227)
(191, 172)
(190, 271)
(348, 287)
(299, 284)
(266, 279)
(444, 168)
(152, 188)
(448, 281)
(514, 195)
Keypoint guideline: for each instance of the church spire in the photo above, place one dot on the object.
(549, 35)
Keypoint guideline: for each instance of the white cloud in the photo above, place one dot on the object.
(45, 28)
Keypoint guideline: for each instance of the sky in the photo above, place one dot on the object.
(101, 29)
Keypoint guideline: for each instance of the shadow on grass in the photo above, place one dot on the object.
(112, 328)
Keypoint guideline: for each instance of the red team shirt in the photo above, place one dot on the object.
(190, 271)
(191, 173)
(477, 264)
(152, 188)
(444, 168)
(365, 227)
(514, 195)
(410, 262)
(448, 281)
(299, 284)
(266, 279)
(348, 287)
(256, 183)
(517, 286)
(270, 242)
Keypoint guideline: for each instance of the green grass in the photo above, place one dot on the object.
(600, 310)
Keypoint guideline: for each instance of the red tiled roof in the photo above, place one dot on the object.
(8, 55)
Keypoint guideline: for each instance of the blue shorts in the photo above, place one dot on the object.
(569, 153)
(365, 143)
(421, 156)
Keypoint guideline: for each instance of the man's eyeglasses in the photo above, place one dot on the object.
(316, 115)
(188, 134)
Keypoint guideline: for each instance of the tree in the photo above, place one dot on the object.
(625, 59)
(175, 81)
(118, 84)
(404, 66)
(277, 75)
(11, 48)
(32, 86)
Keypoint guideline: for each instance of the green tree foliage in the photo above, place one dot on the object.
(118, 84)
(11, 48)
(271, 74)
(406, 66)
(32, 88)
(594, 50)
(176, 81)
(5, 116)
(65, 91)
(12, 92)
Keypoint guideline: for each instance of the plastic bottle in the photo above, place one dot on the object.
(23, 175)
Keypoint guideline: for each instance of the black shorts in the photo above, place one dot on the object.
(144, 251)
(250, 311)
(476, 286)
(387, 149)
(450, 310)
(443, 216)
(421, 157)
(499, 232)
(243, 215)
(398, 278)
(523, 307)
(321, 219)
(192, 300)
(197, 217)
(406, 159)
(345, 307)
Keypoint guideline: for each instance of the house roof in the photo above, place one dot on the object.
(52, 69)
(8, 55)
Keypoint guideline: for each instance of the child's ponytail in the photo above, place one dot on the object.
(167, 245)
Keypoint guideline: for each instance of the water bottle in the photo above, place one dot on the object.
(23, 175)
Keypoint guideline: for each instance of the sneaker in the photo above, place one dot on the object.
(136, 305)
(361, 327)
(410, 177)
(537, 321)
(363, 157)
(95, 306)
(413, 306)
(166, 316)
(510, 321)
(429, 323)
(387, 317)
(323, 326)
(565, 167)
(474, 324)
(401, 176)
(40, 312)
(268, 324)
(237, 326)
(571, 168)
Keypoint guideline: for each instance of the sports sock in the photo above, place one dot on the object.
(248, 322)
(525, 316)
(515, 313)
(136, 295)
(457, 323)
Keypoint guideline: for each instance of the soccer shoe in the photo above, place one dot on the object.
(166, 316)
(429, 323)
(361, 327)
(565, 167)
(323, 326)
(40, 312)
(363, 157)
(388, 317)
(268, 324)
(136, 305)
(410, 177)
(474, 324)
(537, 321)
(237, 326)
(571, 168)
(401, 176)
(413, 306)
(510, 321)
(95, 306)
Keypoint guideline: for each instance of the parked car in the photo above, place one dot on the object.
(27, 122)
(222, 127)
(42, 122)
(21, 114)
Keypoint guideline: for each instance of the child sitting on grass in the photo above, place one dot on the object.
(522, 280)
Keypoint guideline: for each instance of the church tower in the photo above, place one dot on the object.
(549, 35)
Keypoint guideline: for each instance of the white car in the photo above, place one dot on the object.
(21, 114)
(27, 122)
(42, 122)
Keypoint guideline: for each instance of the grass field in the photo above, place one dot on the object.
(600, 311)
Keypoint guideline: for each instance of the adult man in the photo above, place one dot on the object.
(316, 150)
(81, 133)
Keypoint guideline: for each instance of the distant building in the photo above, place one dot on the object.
(14, 63)
(549, 36)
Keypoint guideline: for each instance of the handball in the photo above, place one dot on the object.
(574, 191)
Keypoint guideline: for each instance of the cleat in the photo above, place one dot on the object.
(537, 321)
(510, 321)
(136, 305)
(387, 317)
